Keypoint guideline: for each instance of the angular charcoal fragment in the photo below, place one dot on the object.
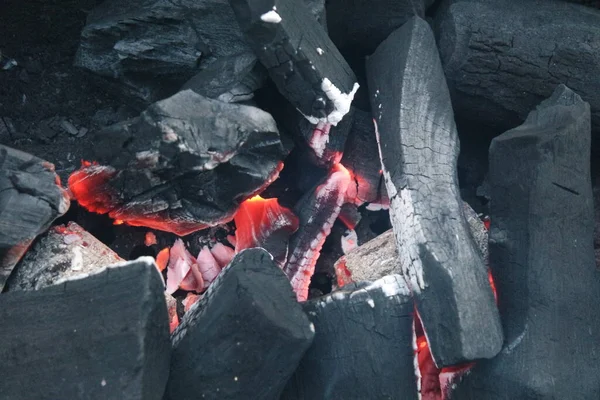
(419, 149)
(243, 339)
(301, 59)
(317, 211)
(362, 347)
(542, 259)
(63, 252)
(103, 336)
(31, 198)
(502, 58)
(184, 164)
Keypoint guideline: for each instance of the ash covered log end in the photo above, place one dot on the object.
(542, 258)
(105, 335)
(362, 347)
(244, 338)
(299, 56)
(31, 198)
(419, 148)
(186, 163)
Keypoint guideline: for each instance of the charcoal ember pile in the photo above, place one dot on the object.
(299, 199)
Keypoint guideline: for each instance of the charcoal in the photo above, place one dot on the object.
(360, 26)
(244, 338)
(301, 59)
(502, 58)
(152, 47)
(102, 336)
(419, 149)
(61, 253)
(542, 258)
(31, 198)
(317, 211)
(379, 257)
(184, 164)
(362, 347)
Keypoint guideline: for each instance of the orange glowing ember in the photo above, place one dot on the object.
(89, 186)
(150, 239)
(162, 259)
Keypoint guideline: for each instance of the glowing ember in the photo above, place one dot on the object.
(89, 186)
(342, 273)
(180, 263)
(150, 239)
(162, 259)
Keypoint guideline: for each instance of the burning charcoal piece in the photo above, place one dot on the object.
(299, 56)
(63, 252)
(186, 163)
(264, 223)
(102, 336)
(317, 211)
(31, 198)
(359, 26)
(542, 259)
(243, 339)
(361, 157)
(502, 58)
(419, 149)
(362, 347)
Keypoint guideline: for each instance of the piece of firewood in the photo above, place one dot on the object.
(102, 336)
(419, 148)
(542, 259)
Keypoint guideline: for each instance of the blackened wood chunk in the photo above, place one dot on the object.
(244, 338)
(301, 59)
(362, 347)
(542, 259)
(359, 26)
(31, 198)
(184, 164)
(104, 336)
(419, 150)
(502, 58)
(61, 253)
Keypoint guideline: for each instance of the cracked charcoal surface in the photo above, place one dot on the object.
(114, 323)
(502, 58)
(244, 338)
(419, 149)
(542, 259)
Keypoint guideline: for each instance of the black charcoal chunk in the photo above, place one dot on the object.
(542, 259)
(244, 338)
(103, 336)
(419, 149)
(31, 198)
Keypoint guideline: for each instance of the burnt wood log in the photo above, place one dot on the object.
(31, 198)
(542, 259)
(301, 60)
(419, 149)
(63, 252)
(244, 338)
(502, 58)
(362, 347)
(184, 164)
(105, 336)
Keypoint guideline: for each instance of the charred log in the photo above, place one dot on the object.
(542, 258)
(62, 253)
(419, 149)
(317, 211)
(244, 338)
(362, 334)
(31, 198)
(104, 335)
(497, 76)
(184, 164)
(302, 61)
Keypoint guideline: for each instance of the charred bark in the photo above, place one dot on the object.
(362, 347)
(244, 338)
(104, 336)
(542, 259)
(419, 149)
(31, 198)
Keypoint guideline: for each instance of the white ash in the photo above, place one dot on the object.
(271, 17)
(341, 103)
(320, 51)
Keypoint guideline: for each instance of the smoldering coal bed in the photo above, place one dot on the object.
(277, 205)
